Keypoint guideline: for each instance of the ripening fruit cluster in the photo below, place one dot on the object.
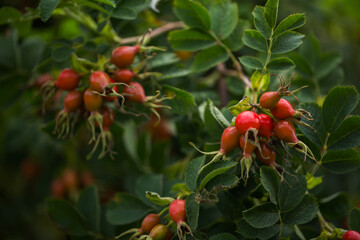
(97, 95)
(253, 132)
(152, 226)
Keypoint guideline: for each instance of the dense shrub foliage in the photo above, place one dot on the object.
(183, 119)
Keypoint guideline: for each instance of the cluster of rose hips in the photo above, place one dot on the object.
(152, 227)
(253, 132)
(70, 182)
(99, 95)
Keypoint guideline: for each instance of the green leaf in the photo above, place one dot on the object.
(248, 231)
(222, 236)
(31, 51)
(243, 105)
(291, 22)
(229, 205)
(124, 13)
(292, 191)
(213, 170)
(261, 216)
(209, 58)
(259, 81)
(340, 162)
(234, 41)
(302, 65)
(286, 42)
(253, 39)
(125, 209)
(213, 118)
(191, 173)
(335, 206)
(46, 8)
(190, 40)
(130, 139)
(192, 13)
(92, 5)
(270, 181)
(89, 206)
(157, 199)
(333, 79)
(174, 72)
(319, 136)
(164, 59)
(66, 217)
(228, 13)
(328, 62)
(8, 14)
(182, 103)
(251, 62)
(260, 22)
(271, 12)
(347, 135)
(61, 54)
(338, 104)
(149, 182)
(312, 181)
(280, 64)
(192, 211)
(108, 2)
(302, 213)
(222, 182)
(79, 64)
(354, 220)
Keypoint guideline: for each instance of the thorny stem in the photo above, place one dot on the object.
(236, 63)
(323, 222)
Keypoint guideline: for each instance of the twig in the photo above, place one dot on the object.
(236, 63)
(155, 32)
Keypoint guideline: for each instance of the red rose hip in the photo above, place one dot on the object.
(285, 131)
(177, 211)
(124, 56)
(266, 126)
(149, 222)
(283, 110)
(246, 120)
(351, 235)
(229, 140)
(68, 79)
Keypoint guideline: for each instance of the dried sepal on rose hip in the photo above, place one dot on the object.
(134, 92)
(103, 85)
(269, 100)
(72, 102)
(248, 147)
(68, 80)
(285, 131)
(284, 110)
(177, 212)
(105, 136)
